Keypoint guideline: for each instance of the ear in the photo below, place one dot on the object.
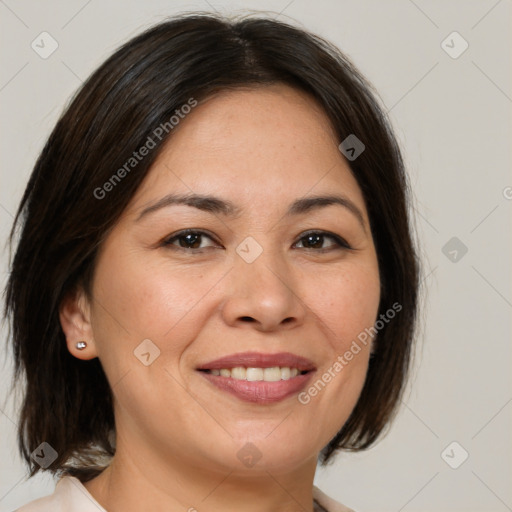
(75, 319)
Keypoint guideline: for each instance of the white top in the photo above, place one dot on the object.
(70, 495)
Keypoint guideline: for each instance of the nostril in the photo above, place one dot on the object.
(247, 318)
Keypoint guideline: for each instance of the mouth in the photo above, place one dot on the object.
(251, 374)
(259, 378)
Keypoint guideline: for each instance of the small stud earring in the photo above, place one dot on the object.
(81, 345)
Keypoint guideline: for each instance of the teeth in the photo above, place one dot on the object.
(238, 373)
(251, 374)
(273, 374)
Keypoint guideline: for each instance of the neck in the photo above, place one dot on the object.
(138, 480)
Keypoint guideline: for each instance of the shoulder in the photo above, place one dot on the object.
(328, 503)
(69, 495)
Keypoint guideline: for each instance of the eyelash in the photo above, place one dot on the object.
(340, 242)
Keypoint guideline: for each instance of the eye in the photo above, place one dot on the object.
(187, 239)
(315, 239)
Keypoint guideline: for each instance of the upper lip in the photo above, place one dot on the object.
(259, 360)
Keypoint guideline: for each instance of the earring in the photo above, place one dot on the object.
(81, 345)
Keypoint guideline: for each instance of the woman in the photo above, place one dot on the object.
(222, 279)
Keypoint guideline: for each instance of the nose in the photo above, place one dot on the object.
(262, 295)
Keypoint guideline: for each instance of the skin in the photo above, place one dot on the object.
(177, 435)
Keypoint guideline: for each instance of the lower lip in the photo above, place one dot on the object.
(260, 391)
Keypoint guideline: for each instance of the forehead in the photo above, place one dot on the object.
(262, 112)
(254, 144)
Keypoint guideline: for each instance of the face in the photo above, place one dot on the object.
(293, 287)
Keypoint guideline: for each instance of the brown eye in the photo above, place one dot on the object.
(316, 239)
(187, 239)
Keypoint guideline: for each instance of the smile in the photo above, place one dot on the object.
(273, 374)
(257, 377)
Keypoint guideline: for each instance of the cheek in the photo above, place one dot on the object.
(345, 302)
(142, 300)
(138, 299)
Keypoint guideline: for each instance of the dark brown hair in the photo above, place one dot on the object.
(67, 402)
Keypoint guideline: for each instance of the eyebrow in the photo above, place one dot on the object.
(216, 205)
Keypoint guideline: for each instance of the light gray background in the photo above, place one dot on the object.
(453, 119)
